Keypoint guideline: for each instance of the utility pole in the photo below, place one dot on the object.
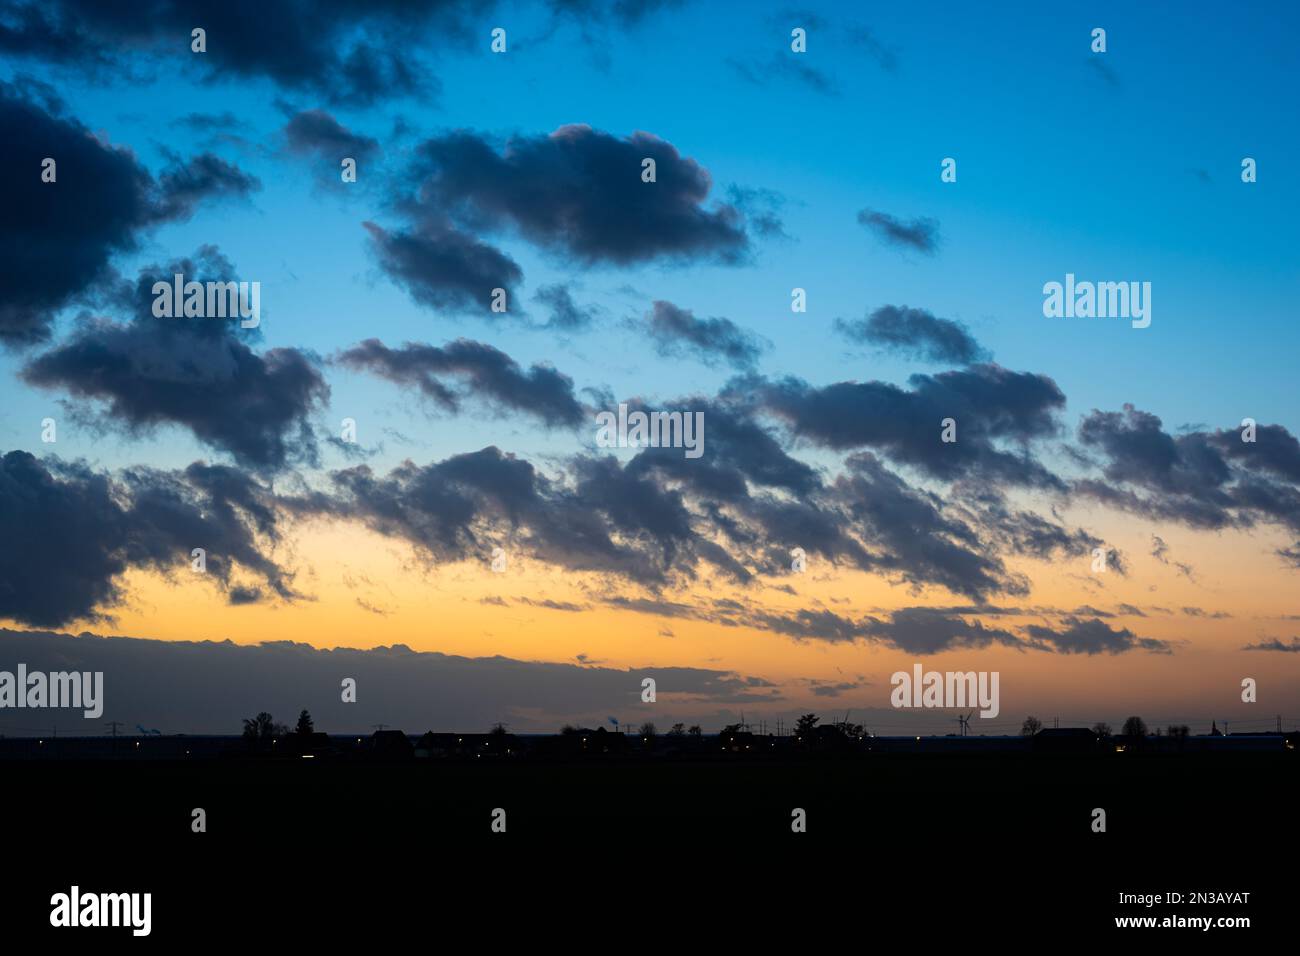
(113, 725)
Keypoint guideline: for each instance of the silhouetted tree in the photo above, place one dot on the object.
(498, 730)
(568, 730)
(647, 729)
(805, 725)
(266, 726)
(1101, 729)
(1134, 727)
(848, 729)
(1031, 726)
(250, 728)
(677, 730)
(1180, 733)
(305, 726)
(696, 731)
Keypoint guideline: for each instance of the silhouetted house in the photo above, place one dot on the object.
(1066, 740)
(598, 741)
(390, 745)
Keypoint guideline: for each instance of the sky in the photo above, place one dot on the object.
(776, 170)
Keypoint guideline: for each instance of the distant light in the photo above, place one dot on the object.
(308, 756)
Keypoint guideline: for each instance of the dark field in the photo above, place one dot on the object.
(904, 830)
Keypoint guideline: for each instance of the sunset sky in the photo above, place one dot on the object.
(477, 430)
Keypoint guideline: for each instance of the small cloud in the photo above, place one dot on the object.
(921, 234)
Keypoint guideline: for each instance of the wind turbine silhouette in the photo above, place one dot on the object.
(964, 722)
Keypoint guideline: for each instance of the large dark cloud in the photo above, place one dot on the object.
(916, 333)
(1080, 636)
(578, 193)
(488, 373)
(332, 48)
(199, 373)
(1203, 479)
(57, 239)
(677, 331)
(208, 687)
(741, 451)
(923, 630)
(463, 506)
(659, 520)
(70, 532)
(914, 538)
(992, 407)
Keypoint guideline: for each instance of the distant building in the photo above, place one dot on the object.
(390, 744)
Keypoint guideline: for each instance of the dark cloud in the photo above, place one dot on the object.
(199, 373)
(915, 539)
(444, 268)
(317, 133)
(566, 314)
(920, 630)
(740, 452)
(208, 687)
(1274, 644)
(183, 185)
(865, 39)
(677, 331)
(330, 48)
(487, 373)
(467, 504)
(821, 689)
(57, 239)
(992, 408)
(1031, 534)
(762, 209)
(916, 333)
(71, 532)
(1080, 636)
(577, 192)
(919, 234)
(658, 525)
(1202, 479)
(789, 65)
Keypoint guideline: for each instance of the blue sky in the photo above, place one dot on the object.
(1058, 170)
